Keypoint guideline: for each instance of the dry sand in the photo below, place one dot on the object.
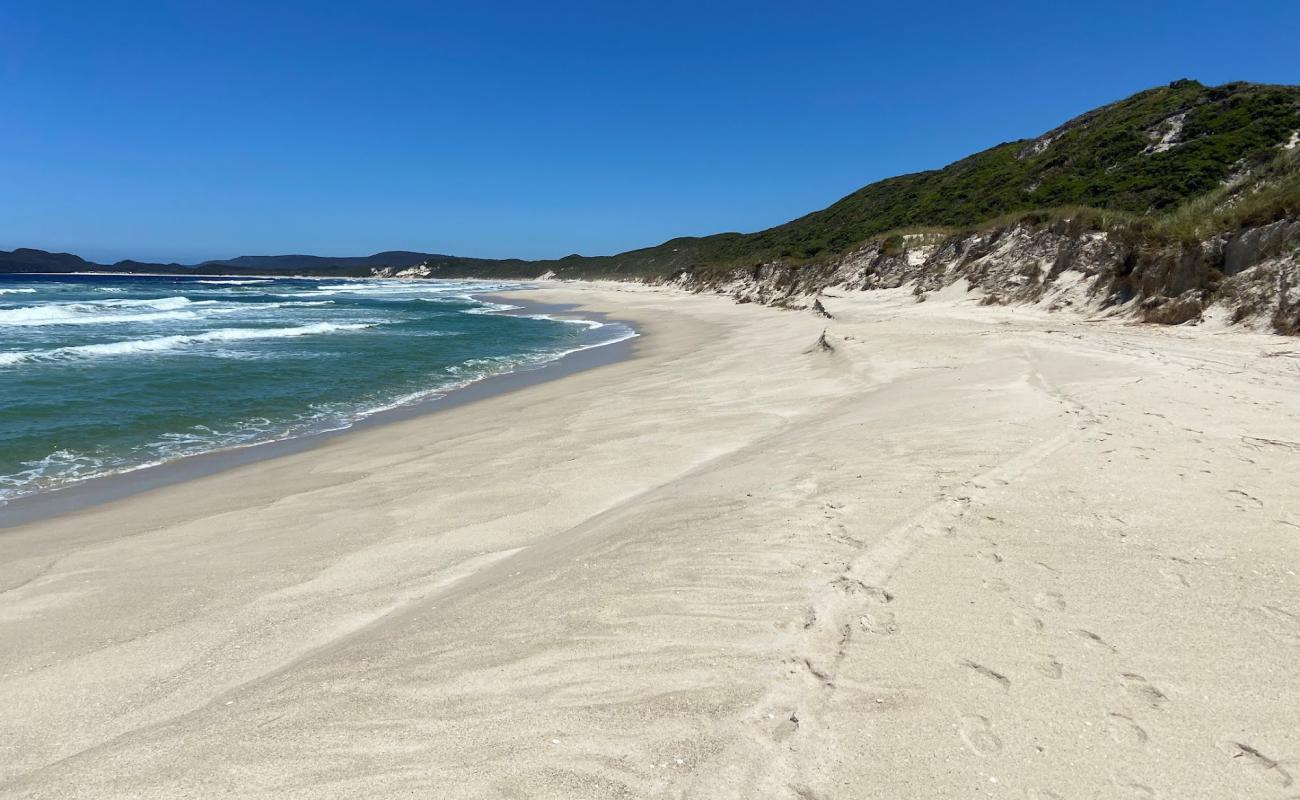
(969, 552)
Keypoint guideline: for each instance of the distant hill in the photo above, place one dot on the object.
(29, 260)
(1175, 204)
(25, 259)
(1149, 156)
(390, 258)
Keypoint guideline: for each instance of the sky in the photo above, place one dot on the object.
(183, 131)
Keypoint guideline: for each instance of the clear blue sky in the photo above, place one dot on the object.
(192, 130)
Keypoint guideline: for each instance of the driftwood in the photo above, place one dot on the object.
(822, 345)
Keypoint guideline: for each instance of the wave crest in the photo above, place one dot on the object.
(165, 343)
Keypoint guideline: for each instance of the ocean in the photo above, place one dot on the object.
(103, 374)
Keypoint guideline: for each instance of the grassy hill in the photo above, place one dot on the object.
(1171, 163)
(301, 263)
(1144, 161)
(29, 260)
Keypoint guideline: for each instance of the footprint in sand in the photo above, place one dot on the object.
(1279, 621)
(1175, 579)
(1270, 768)
(991, 674)
(852, 587)
(872, 619)
(783, 725)
(1025, 621)
(804, 793)
(1051, 668)
(978, 735)
(841, 535)
(1093, 640)
(877, 594)
(1123, 730)
(1049, 601)
(1142, 690)
(1243, 500)
(997, 585)
(1135, 790)
(878, 622)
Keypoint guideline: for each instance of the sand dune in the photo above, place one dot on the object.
(963, 552)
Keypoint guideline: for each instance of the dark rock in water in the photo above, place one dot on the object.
(820, 310)
(822, 345)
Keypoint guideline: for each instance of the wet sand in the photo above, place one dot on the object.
(96, 491)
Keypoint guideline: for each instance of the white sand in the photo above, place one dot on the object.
(971, 552)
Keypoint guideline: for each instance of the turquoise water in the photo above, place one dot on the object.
(105, 374)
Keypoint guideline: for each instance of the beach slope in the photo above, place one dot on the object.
(955, 552)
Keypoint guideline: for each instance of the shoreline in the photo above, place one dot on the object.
(235, 276)
(85, 494)
(968, 550)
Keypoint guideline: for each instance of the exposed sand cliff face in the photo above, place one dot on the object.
(1252, 277)
(418, 271)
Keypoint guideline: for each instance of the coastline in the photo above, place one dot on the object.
(968, 550)
(87, 493)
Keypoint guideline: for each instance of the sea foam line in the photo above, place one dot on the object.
(35, 316)
(55, 310)
(239, 439)
(589, 324)
(78, 468)
(165, 343)
(97, 312)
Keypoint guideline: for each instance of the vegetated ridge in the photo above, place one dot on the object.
(1176, 200)
(26, 259)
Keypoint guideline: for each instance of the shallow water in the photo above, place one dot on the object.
(104, 374)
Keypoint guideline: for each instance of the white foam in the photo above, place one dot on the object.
(496, 308)
(99, 312)
(390, 288)
(311, 293)
(491, 308)
(164, 343)
(623, 336)
(159, 303)
(64, 467)
(61, 465)
(17, 291)
(589, 324)
(79, 314)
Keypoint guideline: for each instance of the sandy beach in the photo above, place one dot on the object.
(969, 552)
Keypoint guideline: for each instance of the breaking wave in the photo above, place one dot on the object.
(164, 343)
